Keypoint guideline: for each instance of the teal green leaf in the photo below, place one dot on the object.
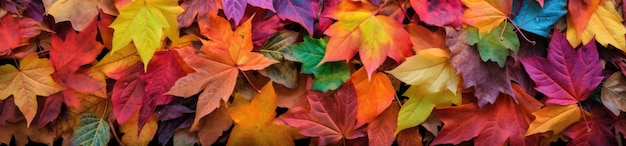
(92, 131)
(276, 48)
(495, 45)
(328, 76)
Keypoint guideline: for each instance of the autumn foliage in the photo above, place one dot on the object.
(317, 72)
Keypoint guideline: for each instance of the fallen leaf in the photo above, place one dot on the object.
(495, 45)
(487, 78)
(430, 69)
(31, 79)
(331, 117)
(567, 75)
(65, 10)
(145, 22)
(215, 70)
(486, 14)
(595, 131)
(299, 11)
(261, 110)
(132, 136)
(374, 95)
(501, 123)
(380, 130)
(374, 36)
(613, 94)
(91, 131)
(284, 72)
(555, 118)
(538, 18)
(328, 75)
(439, 13)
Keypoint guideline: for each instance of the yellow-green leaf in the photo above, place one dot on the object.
(145, 23)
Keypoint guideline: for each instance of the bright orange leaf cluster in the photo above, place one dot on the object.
(312, 72)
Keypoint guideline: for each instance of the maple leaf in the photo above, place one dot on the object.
(487, 78)
(141, 92)
(380, 130)
(65, 10)
(596, 131)
(430, 69)
(134, 136)
(613, 96)
(605, 26)
(494, 46)
(498, 123)
(265, 27)
(276, 48)
(68, 55)
(555, 118)
(234, 9)
(261, 110)
(10, 32)
(213, 125)
(144, 22)
(538, 18)
(374, 95)
(410, 137)
(581, 11)
(486, 14)
(374, 36)
(299, 11)
(215, 70)
(422, 38)
(329, 75)
(199, 8)
(331, 117)
(327, 8)
(24, 135)
(106, 33)
(567, 75)
(420, 105)
(439, 13)
(31, 79)
(114, 64)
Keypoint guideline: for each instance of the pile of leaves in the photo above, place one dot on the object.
(285, 72)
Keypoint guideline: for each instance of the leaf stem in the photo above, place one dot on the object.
(250, 82)
(398, 100)
(520, 32)
(117, 138)
(271, 51)
(502, 32)
(582, 112)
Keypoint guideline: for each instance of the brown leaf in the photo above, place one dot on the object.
(613, 94)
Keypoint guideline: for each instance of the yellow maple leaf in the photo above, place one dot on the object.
(555, 118)
(254, 121)
(430, 69)
(486, 14)
(145, 22)
(605, 24)
(32, 79)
